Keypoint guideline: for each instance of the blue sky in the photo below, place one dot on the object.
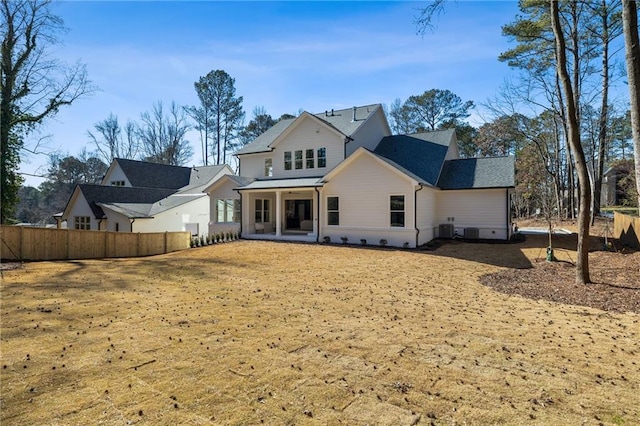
(284, 56)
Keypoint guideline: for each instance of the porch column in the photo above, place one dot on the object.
(278, 213)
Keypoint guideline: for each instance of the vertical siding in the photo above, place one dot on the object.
(485, 209)
(370, 133)
(364, 188)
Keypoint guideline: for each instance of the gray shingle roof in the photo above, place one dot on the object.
(476, 173)
(95, 194)
(421, 154)
(143, 174)
(200, 178)
(341, 120)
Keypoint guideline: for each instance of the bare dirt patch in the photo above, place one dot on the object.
(256, 332)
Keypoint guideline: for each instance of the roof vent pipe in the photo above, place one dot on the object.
(332, 114)
(354, 114)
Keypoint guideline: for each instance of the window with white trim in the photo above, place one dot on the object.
(396, 207)
(262, 207)
(298, 159)
(322, 157)
(268, 167)
(333, 211)
(82, 222)
(309, 158)
(227, 210)
(287, 160)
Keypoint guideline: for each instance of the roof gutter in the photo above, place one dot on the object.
(415, 212)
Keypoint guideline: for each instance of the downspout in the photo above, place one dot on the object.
(241, 208)
(415, 213)
(132, 220)
(317, 215)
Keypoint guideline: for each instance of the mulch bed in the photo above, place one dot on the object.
(615, 277)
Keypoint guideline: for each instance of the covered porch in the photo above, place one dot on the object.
(281, 210)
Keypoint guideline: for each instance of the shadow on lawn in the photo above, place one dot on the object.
(503, 254)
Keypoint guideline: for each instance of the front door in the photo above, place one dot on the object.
(299, 216)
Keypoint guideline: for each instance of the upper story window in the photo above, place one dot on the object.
(322, 157)
(117, 183)
(268, 167)
(298, 159)
(309, 158)
(82, 222)
(396, 206)
(287, 160)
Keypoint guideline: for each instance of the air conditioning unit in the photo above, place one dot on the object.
(445, 230)
(471, 233)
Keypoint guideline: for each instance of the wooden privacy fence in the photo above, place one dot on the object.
(626, 228)
(23, 243)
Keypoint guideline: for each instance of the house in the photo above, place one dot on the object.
(137, 196)
(342, 175)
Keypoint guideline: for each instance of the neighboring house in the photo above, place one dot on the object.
(341, 174)
(137, 196)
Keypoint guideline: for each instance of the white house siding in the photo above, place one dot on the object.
(370, 133)
(176, 219)
(485, 209)
(113, 218)
(426, 214)
(81, 208)
(115, 174)
(224, 190)
(364, 188)
(252, 165)
(309, 134)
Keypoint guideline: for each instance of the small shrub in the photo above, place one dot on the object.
(363, 242)
(405, 245)
(202, 241)
(192, 243)
(383, 242)
(344, 240)
(327, 239)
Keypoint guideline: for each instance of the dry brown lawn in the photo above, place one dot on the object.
(257, 332)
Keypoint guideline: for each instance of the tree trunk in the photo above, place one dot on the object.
(632, 47)
(573, 137)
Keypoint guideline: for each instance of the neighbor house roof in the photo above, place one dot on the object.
(143, 174)
(421, 154)
(340, 120)
(99, 194)
(201, 177)
(476, 173)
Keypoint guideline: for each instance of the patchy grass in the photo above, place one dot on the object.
(256, 332)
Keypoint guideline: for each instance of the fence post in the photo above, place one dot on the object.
(21, 239)
(166, 237)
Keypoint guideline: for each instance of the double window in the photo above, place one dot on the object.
(117, 183)
(333, 211)
(82, 222)
(228, 211)
(396, 207)
(262, 210)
